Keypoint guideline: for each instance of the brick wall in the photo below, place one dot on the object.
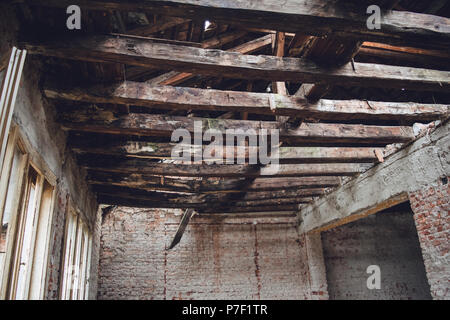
(431, 208)
(234, 258)
(387, 239)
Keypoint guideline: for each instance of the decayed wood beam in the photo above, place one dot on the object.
(406, 50)
(431, 59)
(309, 134)
(222, 39)
(211, 62)
(214, 170)
(234, 206)
(162, 24)
(233, 209)
(160, 150)
(313, 92)
(151, 203)
(141, 203)
(319, 18)
(197, 198)
(172, 200)
(174, 78)
(278, 50)
(208, 185)
(332, 52)
(172, 98)
(182, 227)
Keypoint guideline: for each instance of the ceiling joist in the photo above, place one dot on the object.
(319, 17)
(147, 53)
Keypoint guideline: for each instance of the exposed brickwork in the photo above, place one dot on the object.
(387, 239)
(217, 258)
(431, 208)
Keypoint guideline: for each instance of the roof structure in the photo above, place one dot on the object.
(337, 91)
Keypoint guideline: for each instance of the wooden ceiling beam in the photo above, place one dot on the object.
(162, 24)
(155, 203)
(147, 167)
(181, 98)
(198, 198)
(161, 150)
(208, 185)
(307, 134)
(174, 77)
(147, 53)
(332, 52)
(319, 17)
(143, 203)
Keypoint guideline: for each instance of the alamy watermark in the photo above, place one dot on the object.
(374, 20)
(374, 280)
(229, 146)
(74, 20)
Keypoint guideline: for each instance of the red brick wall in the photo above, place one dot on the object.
(248, 258)
(431, 208)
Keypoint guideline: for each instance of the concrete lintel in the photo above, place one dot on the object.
(419, 164)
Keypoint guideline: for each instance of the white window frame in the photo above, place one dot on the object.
(76, 264)
(24, 272)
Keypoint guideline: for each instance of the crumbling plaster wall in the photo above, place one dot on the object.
(217, 258)
(36, 121)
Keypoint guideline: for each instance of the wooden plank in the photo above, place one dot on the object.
(214, 170)
(332, 52)
(173, 98)
(207, 185)
(182, 227)
(154, 203)
(174, 78)
(319, 17)
(206, 199)
(114, 200)
(162, 24)
(161, 150)
(278, 50)
(234, 65)
(307, 134)
(419, 58)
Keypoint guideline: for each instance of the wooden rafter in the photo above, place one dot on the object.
(317, 17)
(214, 170)
(307, 134)
(159, 150)
(207, 185)
(167, 97)
(174, 78)
(146, 53)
